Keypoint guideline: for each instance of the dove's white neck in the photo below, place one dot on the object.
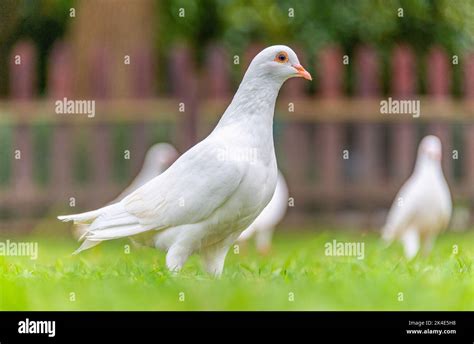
(254, 103)
(426, 165)
(150, 169)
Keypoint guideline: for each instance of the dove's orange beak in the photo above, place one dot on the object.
(302, 73)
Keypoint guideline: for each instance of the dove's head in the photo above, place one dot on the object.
(430, 148)
(161, 156)
(278, 63)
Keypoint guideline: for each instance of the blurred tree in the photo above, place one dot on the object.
(9, 17)
(40, 21)
(112, 29)
(311, 24)
(315, 23)
(237, 23)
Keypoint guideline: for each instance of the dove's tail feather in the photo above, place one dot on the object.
(107, 223)
(86, 244)
(84, 217)
(79, 230)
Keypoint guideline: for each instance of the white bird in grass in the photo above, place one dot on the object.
(265, 223)
(202, 202)
(422, 208)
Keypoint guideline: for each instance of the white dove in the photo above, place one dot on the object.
(422, 208)
(265, 223)
(216, 189)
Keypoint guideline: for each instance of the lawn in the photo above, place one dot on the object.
(296, 276)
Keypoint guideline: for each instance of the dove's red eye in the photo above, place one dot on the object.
(281, 57)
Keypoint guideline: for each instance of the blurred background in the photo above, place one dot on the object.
(141, 60)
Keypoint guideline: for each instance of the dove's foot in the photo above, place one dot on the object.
(411, 243)
(264, 241)
(264, 250)
(427, 245)
(176, 257)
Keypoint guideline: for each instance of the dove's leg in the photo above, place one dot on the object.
(178, 246)
(245, 236)
(264, 240)
(213, 256)
(427, 244)
(248, 233)
(411, 242)
(177, 255)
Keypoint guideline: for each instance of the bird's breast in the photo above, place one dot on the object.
(253, 194)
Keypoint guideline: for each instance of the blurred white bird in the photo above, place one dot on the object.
(217, 188)
(265, 223)
(157, 159)
(422, 208)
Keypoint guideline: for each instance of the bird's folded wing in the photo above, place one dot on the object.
(405, 207)
(190, 191)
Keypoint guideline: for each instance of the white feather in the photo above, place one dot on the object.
(264, 225)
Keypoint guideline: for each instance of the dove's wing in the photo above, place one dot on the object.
(189, 192)
(404, 208)
(141, 179)
(193, 188)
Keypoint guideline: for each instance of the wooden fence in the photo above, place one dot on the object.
(314, 131)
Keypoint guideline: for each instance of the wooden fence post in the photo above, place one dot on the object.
(184, 88)
(59, 87)
(438, 86)
(330, 135)
(468, 132)
(403, 141)
(215, 83)
(23, 88)
(100, 147)
(142, 76)
(368, 136)
(217, 78)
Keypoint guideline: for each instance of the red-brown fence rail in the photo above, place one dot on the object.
(336, 151)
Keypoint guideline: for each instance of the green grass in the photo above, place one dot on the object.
(105, 278)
